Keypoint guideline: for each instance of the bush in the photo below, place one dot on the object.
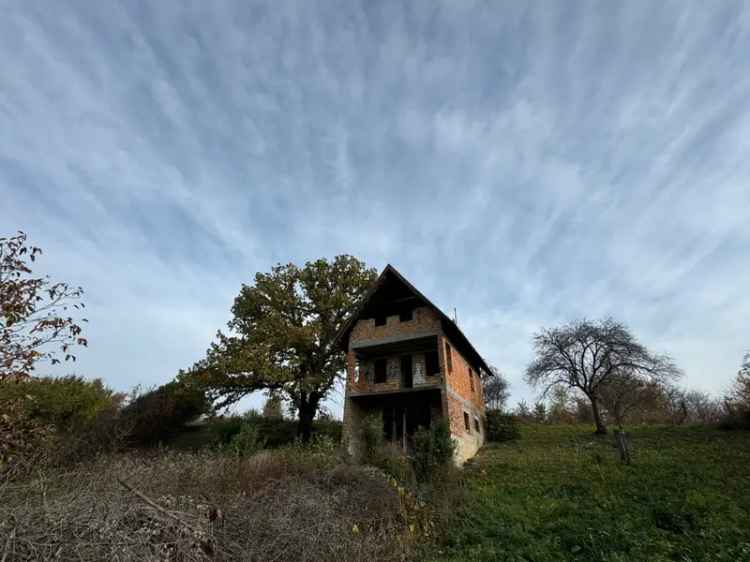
(371, 437)
(248, 441)
(25, 443)
(501, 426)
(329, 427)
(433, 450)
(70, 404)
(161, 414)
(275, 432)
(737, 419)
(53, 421)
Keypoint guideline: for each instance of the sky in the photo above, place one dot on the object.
(528, 163)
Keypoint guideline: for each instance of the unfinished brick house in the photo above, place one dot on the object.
(409, 364)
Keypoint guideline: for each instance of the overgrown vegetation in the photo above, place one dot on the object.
(561, 494)
(297, 503)
(501, 426)
(88, 474)
(274, 431)
(161, 414)
(433, 452)
(53, 421)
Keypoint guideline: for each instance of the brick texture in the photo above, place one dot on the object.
(424, 320)
(457, 396)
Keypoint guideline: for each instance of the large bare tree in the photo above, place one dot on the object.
(587, 355)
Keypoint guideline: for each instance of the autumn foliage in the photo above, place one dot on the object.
(36, 314)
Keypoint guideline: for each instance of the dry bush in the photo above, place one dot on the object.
(295, 504)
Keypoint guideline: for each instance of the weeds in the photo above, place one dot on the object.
(296, 503)
(559, 494)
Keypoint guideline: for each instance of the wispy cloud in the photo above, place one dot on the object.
(526, 163)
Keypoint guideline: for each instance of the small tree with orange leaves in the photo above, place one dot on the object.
(36, 314)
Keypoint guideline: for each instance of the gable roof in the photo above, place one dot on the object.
(451, 329)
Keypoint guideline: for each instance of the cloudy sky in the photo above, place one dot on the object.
(526, 163)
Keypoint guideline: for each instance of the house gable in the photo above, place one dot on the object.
(389, 302)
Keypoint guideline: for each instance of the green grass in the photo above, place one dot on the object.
(560, 493)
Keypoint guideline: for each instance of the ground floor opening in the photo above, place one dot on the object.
(401, 414)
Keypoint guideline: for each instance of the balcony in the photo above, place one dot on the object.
(405, 365)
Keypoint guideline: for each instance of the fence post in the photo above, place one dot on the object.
(621, 440)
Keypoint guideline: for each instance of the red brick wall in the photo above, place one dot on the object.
(424, 320)
(459, 399)
(459, 379)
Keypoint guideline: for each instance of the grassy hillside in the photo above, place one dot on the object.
(560, 494)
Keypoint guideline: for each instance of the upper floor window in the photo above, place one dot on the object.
(380, 320)
(477, 426)
(448, 357)
(381, 370)
(431, 363)
(467, 425)
(471, 379)
(406, 315)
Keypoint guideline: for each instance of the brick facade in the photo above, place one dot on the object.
(423, 323)
(460, 399)
(447, 394)
(424, 320)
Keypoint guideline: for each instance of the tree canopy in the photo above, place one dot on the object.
(36, 314)
(281, 336)
(588, 355)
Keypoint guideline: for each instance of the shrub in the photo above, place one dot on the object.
(25, 443)
(501, 426)
(329, 427)
(53, 421)
(390, 458)
(224, 428)
(738, 418)
(70, 404)
(275, 432)
(433, 450)
(371, 438)
(248, 441)
(160, 414)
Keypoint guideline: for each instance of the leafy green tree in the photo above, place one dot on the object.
(282, 334)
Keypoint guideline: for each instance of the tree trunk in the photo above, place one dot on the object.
(308, 407)
(601, 429)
